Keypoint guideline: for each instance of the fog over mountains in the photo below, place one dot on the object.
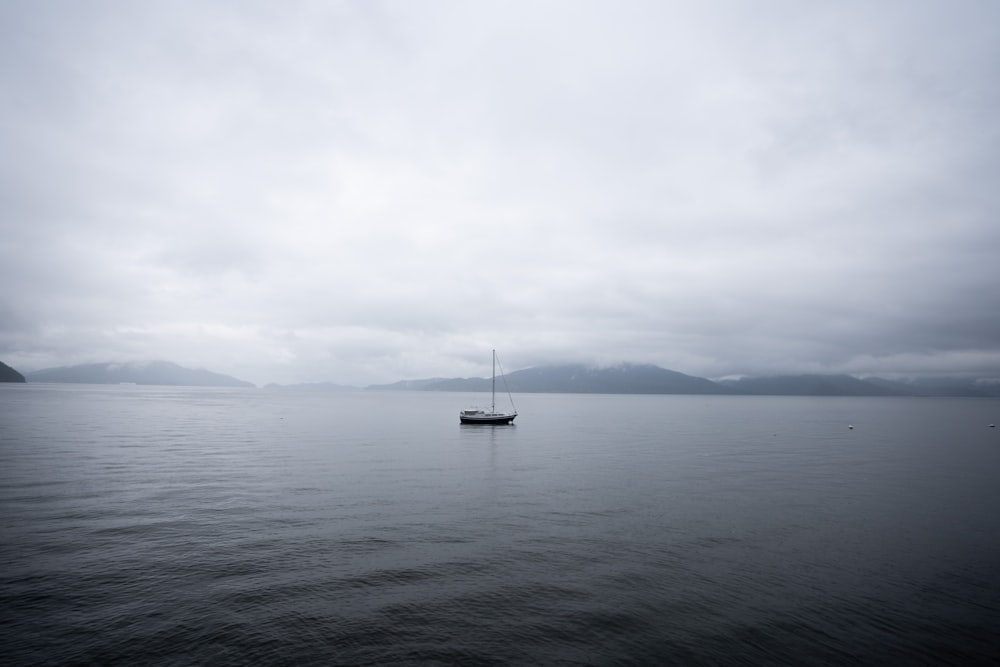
(622, 378)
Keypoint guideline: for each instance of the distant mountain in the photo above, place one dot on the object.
(649, 379)
(810, 385)
(8, 374)
(578, 379)
(311, 386)
(141, 372)
(406, 385)
(620, 379)
(846, 385)
(940, 387)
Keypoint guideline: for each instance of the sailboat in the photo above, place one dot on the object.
(481, 416)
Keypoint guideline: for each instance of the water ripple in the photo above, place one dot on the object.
(172, 527)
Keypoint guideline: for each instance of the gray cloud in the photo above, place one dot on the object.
(362, 192)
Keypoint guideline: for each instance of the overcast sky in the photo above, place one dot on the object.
(364, 192)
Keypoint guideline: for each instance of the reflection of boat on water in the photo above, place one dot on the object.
(491, 416)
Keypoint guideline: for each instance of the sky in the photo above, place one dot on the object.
(363, 192)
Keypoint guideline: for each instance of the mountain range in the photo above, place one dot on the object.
(567, 378)
(649, 379)
(577, 379)
(137, 372)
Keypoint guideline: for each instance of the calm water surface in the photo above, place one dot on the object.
(174, 526)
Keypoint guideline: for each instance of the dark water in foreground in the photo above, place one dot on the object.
(174, 526)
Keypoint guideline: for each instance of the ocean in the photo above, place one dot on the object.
(179, 526)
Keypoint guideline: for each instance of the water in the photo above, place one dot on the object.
(175, 526)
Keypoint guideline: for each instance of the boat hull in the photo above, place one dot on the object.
(486, 419)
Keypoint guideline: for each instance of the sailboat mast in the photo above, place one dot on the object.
(493, 389)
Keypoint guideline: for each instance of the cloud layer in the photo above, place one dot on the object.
(363, 192)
